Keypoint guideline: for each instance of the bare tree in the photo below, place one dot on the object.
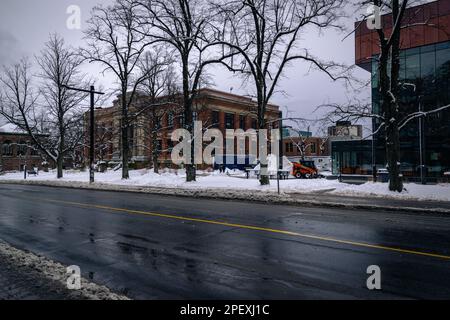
(267, 34)
(55, 112)
(185, 25)
(60, 67)
(161, 89)
(114, 42)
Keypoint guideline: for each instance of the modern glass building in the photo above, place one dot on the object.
(425, 79)
(352, 157)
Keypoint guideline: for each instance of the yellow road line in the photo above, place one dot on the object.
(249, 227)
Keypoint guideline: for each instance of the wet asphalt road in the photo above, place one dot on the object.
(171, 256)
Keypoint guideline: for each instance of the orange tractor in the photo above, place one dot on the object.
(305, 170)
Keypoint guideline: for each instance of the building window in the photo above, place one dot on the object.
(215, 119)
(229, 121)
(7, 149)
(33, 151)
(313, 148)
(22, 148)
(289, 147)
(181, 121)
(157, 123)
(242, 122)
(254, 124)
(170, 120)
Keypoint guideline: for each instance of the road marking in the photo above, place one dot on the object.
(249, 227)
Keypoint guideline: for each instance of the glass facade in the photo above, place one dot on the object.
(353, 157)
(425, 78)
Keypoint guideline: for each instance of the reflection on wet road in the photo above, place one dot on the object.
(156, 247)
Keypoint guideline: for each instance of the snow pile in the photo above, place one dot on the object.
(235, 180)
(51, 275)
(440, 192)
(11, 128)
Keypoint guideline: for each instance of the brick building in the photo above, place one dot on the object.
(313, 147)
(297, 144)
(216, 109)
(16, 150)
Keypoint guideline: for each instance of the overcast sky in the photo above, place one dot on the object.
(26, 24)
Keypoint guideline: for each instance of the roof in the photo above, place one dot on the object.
(216, 94)
(231, 97)
(11, 129)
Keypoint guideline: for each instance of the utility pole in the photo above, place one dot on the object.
(92, 93)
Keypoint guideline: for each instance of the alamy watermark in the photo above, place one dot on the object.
(74, 279)
(206, 145)
(374, 280)
(374, 17)
(73, 22)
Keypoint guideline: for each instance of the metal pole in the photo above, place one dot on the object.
(280, 150)
(24, 168)
(92, 93)
(92, 138)
(374, 159)
(422, 177)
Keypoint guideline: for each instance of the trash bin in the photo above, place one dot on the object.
(383, 175)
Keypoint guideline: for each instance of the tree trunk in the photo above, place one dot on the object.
(125, 143)
(264, 178)
(188, 118)
(1, 159)
(155, 152)
(191, 172)
(155, 164)
(393, 132)
(62, 142)
(125, 153)
(59, 166)
(393, 158)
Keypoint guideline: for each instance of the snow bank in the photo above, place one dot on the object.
(50, 275)
(235, 180)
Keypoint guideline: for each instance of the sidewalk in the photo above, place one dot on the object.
(25, 276)
(318, 199)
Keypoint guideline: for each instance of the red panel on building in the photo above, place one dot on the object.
(422, 25)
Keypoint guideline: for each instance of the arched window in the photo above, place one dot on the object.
(170, 117)
(7, 148)
(22, 148)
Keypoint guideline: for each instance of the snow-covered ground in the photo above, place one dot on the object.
(237, 181)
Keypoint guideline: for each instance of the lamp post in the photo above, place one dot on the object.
(374, 158)
(92, 93)
(422, 176)
(280, 150)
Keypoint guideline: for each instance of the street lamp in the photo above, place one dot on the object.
(422, 176)
(374, 158)
(92, 93)
(280, 149)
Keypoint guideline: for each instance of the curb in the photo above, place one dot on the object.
(259, 197)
